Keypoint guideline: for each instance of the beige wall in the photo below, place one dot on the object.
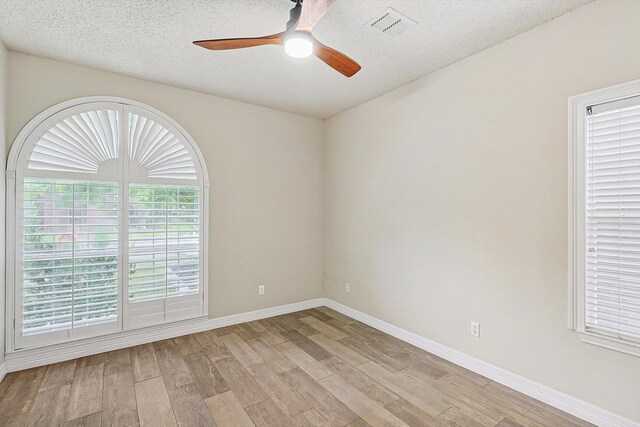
(265, 168)
(446, 202)
(3, 144)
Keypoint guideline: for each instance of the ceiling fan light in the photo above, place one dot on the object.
(298, 47)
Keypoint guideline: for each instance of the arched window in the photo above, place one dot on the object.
(107, 211)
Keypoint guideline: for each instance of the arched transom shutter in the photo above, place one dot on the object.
(79, 143)
(160, 152)
(109, 203)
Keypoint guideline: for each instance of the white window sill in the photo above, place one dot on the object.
(611, 343)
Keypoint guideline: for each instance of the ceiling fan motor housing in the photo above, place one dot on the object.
(294, 14)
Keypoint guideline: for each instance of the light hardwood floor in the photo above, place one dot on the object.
(310, 368)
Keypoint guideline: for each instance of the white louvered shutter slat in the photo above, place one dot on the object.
(612, 220)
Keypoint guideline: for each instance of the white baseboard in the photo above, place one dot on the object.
(3, 370)
(29, 358)
(557, 399)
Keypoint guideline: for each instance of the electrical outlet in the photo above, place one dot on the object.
(261, 290)
(475, 329)
(347, 287)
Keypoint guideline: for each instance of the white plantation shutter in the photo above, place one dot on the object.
(70, 255)
(612, 219)
(164, 228)
(109, 204)
(164, 252)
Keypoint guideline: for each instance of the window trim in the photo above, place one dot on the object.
(11, 203)
(576, 204)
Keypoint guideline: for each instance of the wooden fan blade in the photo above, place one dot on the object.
(224, 44)
(336, 60)
(312, 12)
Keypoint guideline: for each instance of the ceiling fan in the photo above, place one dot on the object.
(297, 39)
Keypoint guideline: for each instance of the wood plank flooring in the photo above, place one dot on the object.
(311, 368)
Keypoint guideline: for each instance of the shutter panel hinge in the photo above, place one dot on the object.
(589, 111)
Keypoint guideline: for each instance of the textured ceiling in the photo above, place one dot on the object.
(151, 39)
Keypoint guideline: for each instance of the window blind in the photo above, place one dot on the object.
(164, 241)
(70, 254)
(612, 259)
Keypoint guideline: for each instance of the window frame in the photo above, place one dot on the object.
(26, 139)
(576, 212)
